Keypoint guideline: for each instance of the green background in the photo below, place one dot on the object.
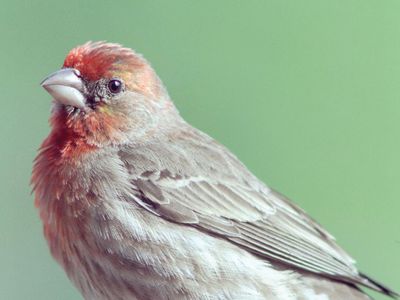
(306, 93)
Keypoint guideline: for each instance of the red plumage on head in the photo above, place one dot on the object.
(97, 60)
(73, 135)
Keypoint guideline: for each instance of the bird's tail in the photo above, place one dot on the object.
(379, 287)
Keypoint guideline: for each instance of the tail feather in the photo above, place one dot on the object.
(379, 287)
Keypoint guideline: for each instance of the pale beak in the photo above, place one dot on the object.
(66, 87)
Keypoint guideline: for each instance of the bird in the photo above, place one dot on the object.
(138, 204)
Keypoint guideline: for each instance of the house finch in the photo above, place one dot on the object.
(138, 204)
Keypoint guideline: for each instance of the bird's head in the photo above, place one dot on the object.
(105, 94)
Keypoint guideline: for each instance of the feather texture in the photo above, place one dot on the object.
(137, 204)
(196, 181)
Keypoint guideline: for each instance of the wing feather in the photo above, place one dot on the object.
(197, 182)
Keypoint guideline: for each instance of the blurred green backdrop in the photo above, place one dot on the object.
(306, 93)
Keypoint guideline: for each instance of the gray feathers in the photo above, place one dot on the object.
(189, 178)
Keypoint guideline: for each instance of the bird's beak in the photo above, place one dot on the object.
(66, 87)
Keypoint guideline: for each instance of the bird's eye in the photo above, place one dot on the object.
(115, 86)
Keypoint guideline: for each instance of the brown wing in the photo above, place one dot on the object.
(260, 221)
(197, 182)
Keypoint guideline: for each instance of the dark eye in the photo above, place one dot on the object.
(115, 86)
